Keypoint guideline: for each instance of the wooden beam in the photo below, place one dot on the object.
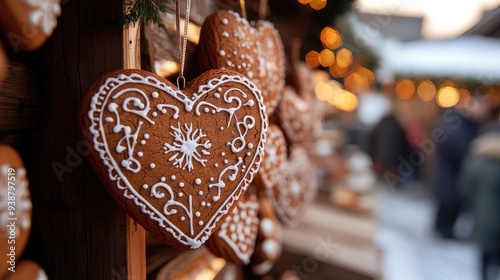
(136, 235)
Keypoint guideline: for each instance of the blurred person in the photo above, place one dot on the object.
(387, 143)
(458, 127)
(480, 184)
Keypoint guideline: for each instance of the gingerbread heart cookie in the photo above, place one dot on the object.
(269, 240)
(15, 208)
(176, 161)
(235, 239)
(228, 41)
(296, 188)
(28, 23)
(297, 117)
(274, 158)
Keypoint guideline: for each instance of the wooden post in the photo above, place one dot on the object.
(136, 235)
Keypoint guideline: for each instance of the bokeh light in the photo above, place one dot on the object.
(326, 58)
(447, 97)
(344, 100)
(304, 2)
(338, 72)
(426, 90)
(317, 4)
(312, 59)
(464, 98)
(331, 38)
(344, 58)
(405, 89)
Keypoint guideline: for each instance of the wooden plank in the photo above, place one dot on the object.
(19, 102)
(136, 235)
(78, 232)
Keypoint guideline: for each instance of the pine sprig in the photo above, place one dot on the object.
(145, 12)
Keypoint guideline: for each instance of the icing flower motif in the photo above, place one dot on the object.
(22, 202)
(186, 145)
(44, 14)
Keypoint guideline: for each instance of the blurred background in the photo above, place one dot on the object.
(409, 152)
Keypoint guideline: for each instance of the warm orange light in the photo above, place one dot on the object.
(323, 91)
(344, 58)
(405, 89)
(326, 58)
(447, 97)
(317, 4)
(344, 100)
(426, 90)
(367, 73)
(331, 38)
(464, 98)
(355, 82)
(303, 2)
(338, 72)
(166, 68)
(312, 59)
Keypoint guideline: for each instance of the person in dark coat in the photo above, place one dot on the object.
(459, 132)
(387, 142)
(480, 184)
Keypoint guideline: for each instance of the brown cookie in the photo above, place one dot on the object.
(269, 240)
(228, 41)
(297, 117)
(296, 189)
(28, 23)
(235, 239)
(28, 270)
(176, 161)
(274, 158)
(15, 208)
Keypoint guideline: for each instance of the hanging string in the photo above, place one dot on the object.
(182, 41)
(243, 9)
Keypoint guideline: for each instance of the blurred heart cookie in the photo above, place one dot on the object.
(228, 41)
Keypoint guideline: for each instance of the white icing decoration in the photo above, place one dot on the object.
(240, 237)
(197, 181)
(200, 192)
(140, 154)
(220, 183)
(267, 226)
(180, 194)
(137, 102)
(152, 165)
(163, 179)
(172, 177)
(146, 136)
(145, 186)
(197, 214)
(200, 223)
(222, 53)
(44, 14)
(209, 204)
(181, 184)
(22, 202)
(155, 94)
(225, 34)
(225, 21)
(271, 248)
(41, 275)
(183, 218)
(186, 146)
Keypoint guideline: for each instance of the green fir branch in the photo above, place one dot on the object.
(145, 12)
